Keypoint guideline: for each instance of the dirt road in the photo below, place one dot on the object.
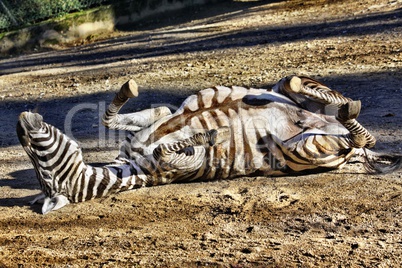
(343, 218)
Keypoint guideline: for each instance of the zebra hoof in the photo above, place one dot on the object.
(349, 110)
(128, 90)
(295, 84)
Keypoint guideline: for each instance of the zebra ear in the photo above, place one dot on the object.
(54, 203)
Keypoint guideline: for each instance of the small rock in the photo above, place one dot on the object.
(330, 236)
(382, 244)
(354, 245)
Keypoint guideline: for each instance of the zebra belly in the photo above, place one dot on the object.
(250, 149)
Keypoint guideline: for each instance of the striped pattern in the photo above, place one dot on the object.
(318, 91)
(263, 138)
(60, 169)
(359, 136)
(219, 133)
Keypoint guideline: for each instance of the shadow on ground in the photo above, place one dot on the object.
(139, 45)
(80, 116)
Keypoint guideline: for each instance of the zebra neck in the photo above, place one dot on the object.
(95, 182)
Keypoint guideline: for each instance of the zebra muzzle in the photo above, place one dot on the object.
(28, 122)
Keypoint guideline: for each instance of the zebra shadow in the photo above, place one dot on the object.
(21, 202)
(22, 182)
(24, 179)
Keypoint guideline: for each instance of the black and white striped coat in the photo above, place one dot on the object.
(299, 126)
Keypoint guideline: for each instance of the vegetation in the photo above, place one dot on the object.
(16, 14)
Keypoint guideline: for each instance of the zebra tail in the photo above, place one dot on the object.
(378, 163)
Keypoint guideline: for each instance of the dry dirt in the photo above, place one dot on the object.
(344, 218)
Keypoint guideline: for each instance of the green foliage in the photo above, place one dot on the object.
(19, 13)
(15, 14)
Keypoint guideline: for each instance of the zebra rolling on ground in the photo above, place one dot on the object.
(299, 126)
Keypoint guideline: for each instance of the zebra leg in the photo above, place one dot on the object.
(377, 163)
(133, 121)
(167, 152)
(359, 136)
(346, 110)
(311, 88)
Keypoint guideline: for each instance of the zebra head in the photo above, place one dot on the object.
(29, 122)
(40, 141)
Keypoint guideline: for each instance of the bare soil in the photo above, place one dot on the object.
(343, 218)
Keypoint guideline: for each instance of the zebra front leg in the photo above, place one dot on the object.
(165, 151)
(133, 121)
(186, 149)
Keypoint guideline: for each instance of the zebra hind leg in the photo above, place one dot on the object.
(346, 110)
(133, 121)
(359, 136)
(312, 89)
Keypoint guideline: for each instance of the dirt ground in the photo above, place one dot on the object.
(343, 218)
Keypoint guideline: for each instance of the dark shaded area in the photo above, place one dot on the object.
(22, 184)
(137, 45)
(81, 115)
(216, 10)
(21, 202)
(23, 180)
(86, 110)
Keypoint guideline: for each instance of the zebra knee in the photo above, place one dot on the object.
(359, 136)
(160, 152)
(109, 118)
(358, 141)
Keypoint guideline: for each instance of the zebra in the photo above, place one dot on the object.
(297, 127)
